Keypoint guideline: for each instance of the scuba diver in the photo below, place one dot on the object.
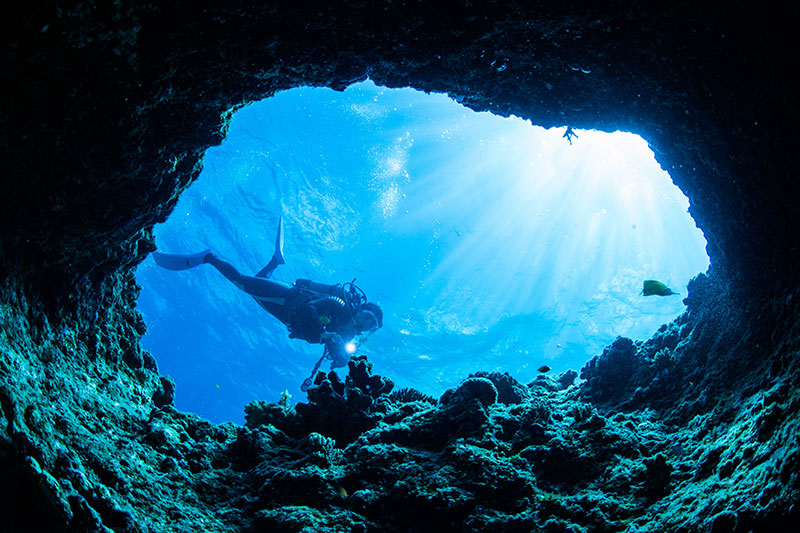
(332, 315)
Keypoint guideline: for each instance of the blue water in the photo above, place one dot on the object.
(489, 243)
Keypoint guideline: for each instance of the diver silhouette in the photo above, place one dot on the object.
(569, 134)
(332, 315)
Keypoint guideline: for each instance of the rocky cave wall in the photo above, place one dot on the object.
(108, 108)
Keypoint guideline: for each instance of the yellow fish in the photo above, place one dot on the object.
(652, 287)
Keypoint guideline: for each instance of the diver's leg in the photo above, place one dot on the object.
(225, 268)
(270, 294)
(277, 256)
(270, 268)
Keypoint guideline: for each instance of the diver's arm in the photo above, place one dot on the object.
(333, 341)
(337, 353)
(317, 309)
(329, 308)
(331, 336)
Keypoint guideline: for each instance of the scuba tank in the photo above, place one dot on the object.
(349, 294)
(321, 288)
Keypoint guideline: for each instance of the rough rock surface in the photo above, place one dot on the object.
(107, 109)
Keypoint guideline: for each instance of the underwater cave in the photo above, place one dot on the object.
(490, 244)
(107, 112)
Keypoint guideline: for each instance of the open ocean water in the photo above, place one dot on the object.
(490, 244)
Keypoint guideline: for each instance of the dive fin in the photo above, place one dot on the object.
(179, 261)
(277, 257)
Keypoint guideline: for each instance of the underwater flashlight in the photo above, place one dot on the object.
(350, 347)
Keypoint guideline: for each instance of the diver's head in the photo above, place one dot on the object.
(369, 317)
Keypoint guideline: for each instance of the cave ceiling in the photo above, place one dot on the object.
(109, 109)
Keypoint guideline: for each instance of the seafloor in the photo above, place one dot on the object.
(106, 112)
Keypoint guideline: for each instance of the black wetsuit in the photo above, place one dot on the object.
(311, 312)
(309, 309)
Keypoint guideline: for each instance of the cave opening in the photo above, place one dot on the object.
(491, 244)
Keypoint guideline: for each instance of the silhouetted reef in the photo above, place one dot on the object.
(644, 443)
(107, 110)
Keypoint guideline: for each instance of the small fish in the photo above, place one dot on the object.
(652, 287)
(217, 386)
(341, 492)
(543, 369)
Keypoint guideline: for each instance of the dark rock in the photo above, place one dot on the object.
(261, 413)
(148, 361)
(609, 375)
(165, 394)
(250, 448)
(335, 409)
(708, 462)
(658, 474)
(133, 357)
(477, 388)
(462, 415)
(297, 518)
(567, 378)
(360, 378)
(84, 517)
(723, 522)
(509, 390)
(411, 395)
(543, 384)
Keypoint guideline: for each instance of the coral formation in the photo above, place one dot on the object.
(107, 110)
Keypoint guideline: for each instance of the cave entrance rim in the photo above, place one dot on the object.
(396, 191)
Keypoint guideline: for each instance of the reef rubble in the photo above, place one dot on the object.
(107, 111)
(643, 442)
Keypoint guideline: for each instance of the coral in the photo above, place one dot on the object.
(609, 375)
(361, 380)
(407, 395)
(474, 388)
(165, 394)
(323, 449)
(335, 409)
(567, 378)
(301, 518)
(509, 390)
(658, 475)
